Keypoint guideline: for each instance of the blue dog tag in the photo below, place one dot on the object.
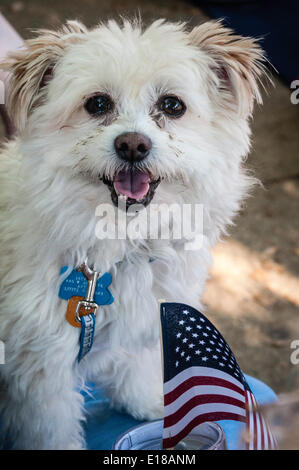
(76, 285)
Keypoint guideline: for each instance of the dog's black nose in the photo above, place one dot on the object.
(132, 147)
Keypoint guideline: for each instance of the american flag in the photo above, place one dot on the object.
(202, 379)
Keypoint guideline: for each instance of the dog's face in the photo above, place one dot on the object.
(155, 115)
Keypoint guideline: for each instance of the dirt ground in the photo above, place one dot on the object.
(253, 293)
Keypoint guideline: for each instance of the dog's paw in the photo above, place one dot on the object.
(74, 446)
(149, 408)
(151, 414)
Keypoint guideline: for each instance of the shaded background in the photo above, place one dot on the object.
(253, 293)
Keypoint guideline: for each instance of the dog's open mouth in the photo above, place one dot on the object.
(132, 185)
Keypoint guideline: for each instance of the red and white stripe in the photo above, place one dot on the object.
(260, 435)
(200, 394)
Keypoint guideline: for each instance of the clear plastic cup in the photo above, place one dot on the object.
(148, 436)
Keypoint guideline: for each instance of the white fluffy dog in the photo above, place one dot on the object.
(157, 114)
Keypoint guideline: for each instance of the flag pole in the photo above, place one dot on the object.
(160, 302)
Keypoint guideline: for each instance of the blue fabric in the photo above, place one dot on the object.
(104, 425)
(276, 22)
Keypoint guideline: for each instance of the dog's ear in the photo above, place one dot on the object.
(238, 63)
(31, 67)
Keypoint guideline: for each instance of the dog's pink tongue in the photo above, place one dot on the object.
(132, 183)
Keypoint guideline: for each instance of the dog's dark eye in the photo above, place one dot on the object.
(99, 104)
(172, 106)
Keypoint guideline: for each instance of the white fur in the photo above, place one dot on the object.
(49, 192)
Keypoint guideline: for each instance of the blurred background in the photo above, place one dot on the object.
(253, 293)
